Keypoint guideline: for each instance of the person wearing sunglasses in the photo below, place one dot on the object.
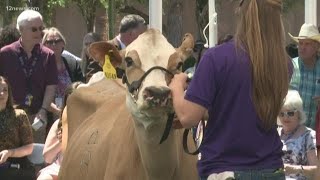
(299, 143)
(306, 74)
(31, 70)
(69, 70)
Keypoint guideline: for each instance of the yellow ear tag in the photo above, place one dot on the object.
(108, 69)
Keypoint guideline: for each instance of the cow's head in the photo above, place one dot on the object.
(149, 63)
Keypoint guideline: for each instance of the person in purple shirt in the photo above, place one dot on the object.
(242, 84)
(31, 69)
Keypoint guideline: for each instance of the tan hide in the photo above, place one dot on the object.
(113, 134)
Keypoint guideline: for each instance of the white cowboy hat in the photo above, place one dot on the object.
(307, 31)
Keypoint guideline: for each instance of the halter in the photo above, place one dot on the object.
(135, 85)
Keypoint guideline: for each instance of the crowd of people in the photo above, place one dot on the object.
(262, 98)
(37, 75)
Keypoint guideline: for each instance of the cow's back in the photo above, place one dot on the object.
(85, 101)
(100, 131)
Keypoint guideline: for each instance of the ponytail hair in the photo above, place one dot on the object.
(260, 33)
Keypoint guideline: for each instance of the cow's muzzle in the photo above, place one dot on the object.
(157, 96)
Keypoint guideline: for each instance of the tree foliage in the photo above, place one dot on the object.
(88, 9)
(8, 13)
(49, 8)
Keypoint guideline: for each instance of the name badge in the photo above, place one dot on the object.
(58, 102)
(28, 100)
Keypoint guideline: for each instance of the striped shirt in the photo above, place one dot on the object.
(307, 82)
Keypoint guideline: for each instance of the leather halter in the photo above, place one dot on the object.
(135, 85)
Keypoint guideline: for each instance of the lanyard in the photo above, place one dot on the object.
(28, 68)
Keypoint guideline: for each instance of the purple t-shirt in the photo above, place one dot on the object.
(234, 139)
(44, 73)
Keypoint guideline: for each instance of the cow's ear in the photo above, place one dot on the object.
(98, 50)
(182, 53)
(186, 47)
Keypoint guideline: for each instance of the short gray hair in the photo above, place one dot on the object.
(293, 101)
(25, 16)
(130, 21)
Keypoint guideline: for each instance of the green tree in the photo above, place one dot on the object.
(111, 17)
(8, 11)
(46, 8)
(87, 9)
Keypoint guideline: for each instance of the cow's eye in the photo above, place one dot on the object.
(179, 65)
(129, 61)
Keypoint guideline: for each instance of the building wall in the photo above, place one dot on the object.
(72, 25)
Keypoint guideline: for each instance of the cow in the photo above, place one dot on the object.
(114, 131)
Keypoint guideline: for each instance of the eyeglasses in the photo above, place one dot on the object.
(287, 113)
(53, 41)
(35, 29)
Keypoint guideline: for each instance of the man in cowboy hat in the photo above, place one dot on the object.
(306, 76)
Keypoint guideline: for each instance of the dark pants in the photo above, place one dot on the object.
(25, 172)
(266, 174)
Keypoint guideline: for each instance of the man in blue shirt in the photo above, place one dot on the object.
(306, 76)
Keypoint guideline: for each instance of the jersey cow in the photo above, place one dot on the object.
(118, 128)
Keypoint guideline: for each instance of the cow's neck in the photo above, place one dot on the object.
(160, 161)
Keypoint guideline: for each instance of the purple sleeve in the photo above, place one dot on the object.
(202, 88)
(51, 70)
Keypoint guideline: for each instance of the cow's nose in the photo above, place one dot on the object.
(157, 92)
(157, 96)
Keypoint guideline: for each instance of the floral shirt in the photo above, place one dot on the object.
(295, 149)
(15, 129)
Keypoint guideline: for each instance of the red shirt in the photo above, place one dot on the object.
(44, 73)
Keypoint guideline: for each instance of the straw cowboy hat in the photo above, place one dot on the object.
(307, 31)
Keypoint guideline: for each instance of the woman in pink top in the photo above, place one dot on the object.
(52, 151)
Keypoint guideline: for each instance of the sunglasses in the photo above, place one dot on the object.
(53, 41)
(287, 113)
(35, 29)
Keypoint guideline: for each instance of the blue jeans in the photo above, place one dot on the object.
(266, 174)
